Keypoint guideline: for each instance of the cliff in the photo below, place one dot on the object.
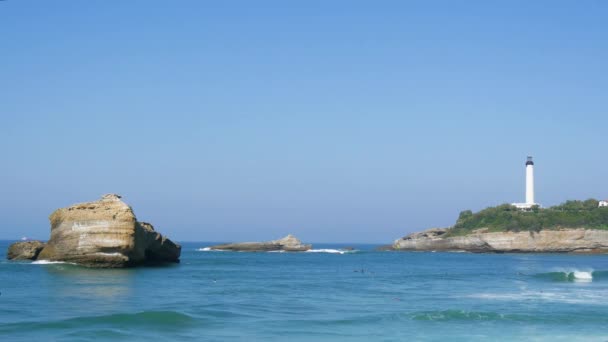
(105, 233)
(480, 240)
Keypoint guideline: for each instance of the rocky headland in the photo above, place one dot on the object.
(481, 241)
(104, 233)
(570, 227)
(288, 244)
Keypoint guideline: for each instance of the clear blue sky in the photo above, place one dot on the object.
(354, 121)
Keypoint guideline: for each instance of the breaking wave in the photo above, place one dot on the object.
(572, 275)
(209, 249)
(331, 251)
(49, 262)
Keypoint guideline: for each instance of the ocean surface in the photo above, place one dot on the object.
(330, 295)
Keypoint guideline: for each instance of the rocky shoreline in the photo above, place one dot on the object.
(104, 234)
(579, 240)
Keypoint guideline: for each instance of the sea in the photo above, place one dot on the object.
(331, 293)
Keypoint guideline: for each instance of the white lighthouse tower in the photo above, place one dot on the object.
(529, 187)
(530, 182)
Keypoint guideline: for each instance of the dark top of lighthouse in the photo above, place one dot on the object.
(529, 161)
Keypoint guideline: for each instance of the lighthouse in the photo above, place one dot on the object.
(530, 181)
(530, 203)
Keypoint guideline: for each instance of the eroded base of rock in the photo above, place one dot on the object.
(481, 241)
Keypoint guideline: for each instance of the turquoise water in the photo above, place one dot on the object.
(358, 296)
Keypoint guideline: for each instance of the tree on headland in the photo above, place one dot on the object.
(505, 217)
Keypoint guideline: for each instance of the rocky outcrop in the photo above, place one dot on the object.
(384, 248)
(546, 241)
(27, 250)
(157, 247)
(289, 244)
(105, 233)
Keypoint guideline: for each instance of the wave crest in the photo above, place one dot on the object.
(572, 275)
(49, 262)
(330, 250)
(148, 319)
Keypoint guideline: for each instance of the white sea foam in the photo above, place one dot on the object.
(584, 276)
(206, 249)
(48, 262)
(327, 250)
(577, 275)
(553, 296)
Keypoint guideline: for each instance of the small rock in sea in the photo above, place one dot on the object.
(24, 250)
(288, 244)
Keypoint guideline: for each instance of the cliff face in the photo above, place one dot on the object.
(105, 233)
(545, 241)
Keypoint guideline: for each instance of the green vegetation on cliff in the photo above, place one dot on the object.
(505, 217)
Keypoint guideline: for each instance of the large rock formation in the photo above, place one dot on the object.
(105, 233)
(289, 244)
(546, 241)
(25, 250)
